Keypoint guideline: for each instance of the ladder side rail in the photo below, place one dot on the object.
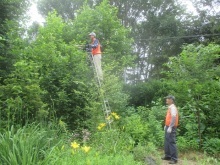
(105, 105)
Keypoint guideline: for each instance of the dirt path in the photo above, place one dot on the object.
(181, 162)
(192, 158)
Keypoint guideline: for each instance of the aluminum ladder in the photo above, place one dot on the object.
(105, 103)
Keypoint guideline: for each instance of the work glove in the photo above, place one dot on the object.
(169, 130)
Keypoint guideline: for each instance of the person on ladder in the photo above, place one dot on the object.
(96, 54)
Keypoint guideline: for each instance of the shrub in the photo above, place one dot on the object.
(185, 144)
(155, 120)
(142, 151)
(136, 128)
(112, 141)
(142, 94)
(139, 152)
(212, 146)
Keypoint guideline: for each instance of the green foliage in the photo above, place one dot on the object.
(113, 90)
(145, 93)
(93, 157)
(27, 145)
(211, 146)
(205, 12)
(147, 153)
(39, 144)
(62, 72)
(156, 30)
(117, 49)
(112, 141)
(67, 8)
(154, 117)
(22, 92)
(156, 135)
(185, 144)
(159, 28)
(11, 11)
(47, 81)
(113, 37)
(139, 152)
(145, 124)
(136, 127)
(194, 78)
(51, 79)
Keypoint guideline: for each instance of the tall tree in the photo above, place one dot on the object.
(156, 31)
(208, 20)
(159, 28)
(52, 77)
(10, 12)
(66, 8)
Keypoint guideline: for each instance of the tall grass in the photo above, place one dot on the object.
(45, 145)
(29, 145)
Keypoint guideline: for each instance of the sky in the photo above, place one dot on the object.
(36, 17)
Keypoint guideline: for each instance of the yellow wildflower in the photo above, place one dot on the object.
(74, 145)
(117, 117)
(101, 125)
(99, 128)
(86, 149)
(113, 113)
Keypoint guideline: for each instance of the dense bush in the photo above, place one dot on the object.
(212, 146)
(144, 93)
(112, 141)
(52, 78)
(193, 78)
(136, 128)
(185, 144)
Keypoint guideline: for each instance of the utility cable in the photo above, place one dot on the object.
(177, 37)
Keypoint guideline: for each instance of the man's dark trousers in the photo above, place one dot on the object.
(170, 144)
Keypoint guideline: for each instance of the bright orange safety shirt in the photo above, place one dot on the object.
(96, 50)
(169, 118)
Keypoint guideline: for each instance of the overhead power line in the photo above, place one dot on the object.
(177, 37)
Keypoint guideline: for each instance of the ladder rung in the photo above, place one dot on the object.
(107, 111)
(106, 105)
(109, 121)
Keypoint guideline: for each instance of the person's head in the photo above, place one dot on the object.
(170, 100)
(92, 35)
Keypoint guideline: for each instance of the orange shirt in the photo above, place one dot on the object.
(172, 111)
(96, 47)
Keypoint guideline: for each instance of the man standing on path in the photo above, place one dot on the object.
(171, 123)
(96, 53)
